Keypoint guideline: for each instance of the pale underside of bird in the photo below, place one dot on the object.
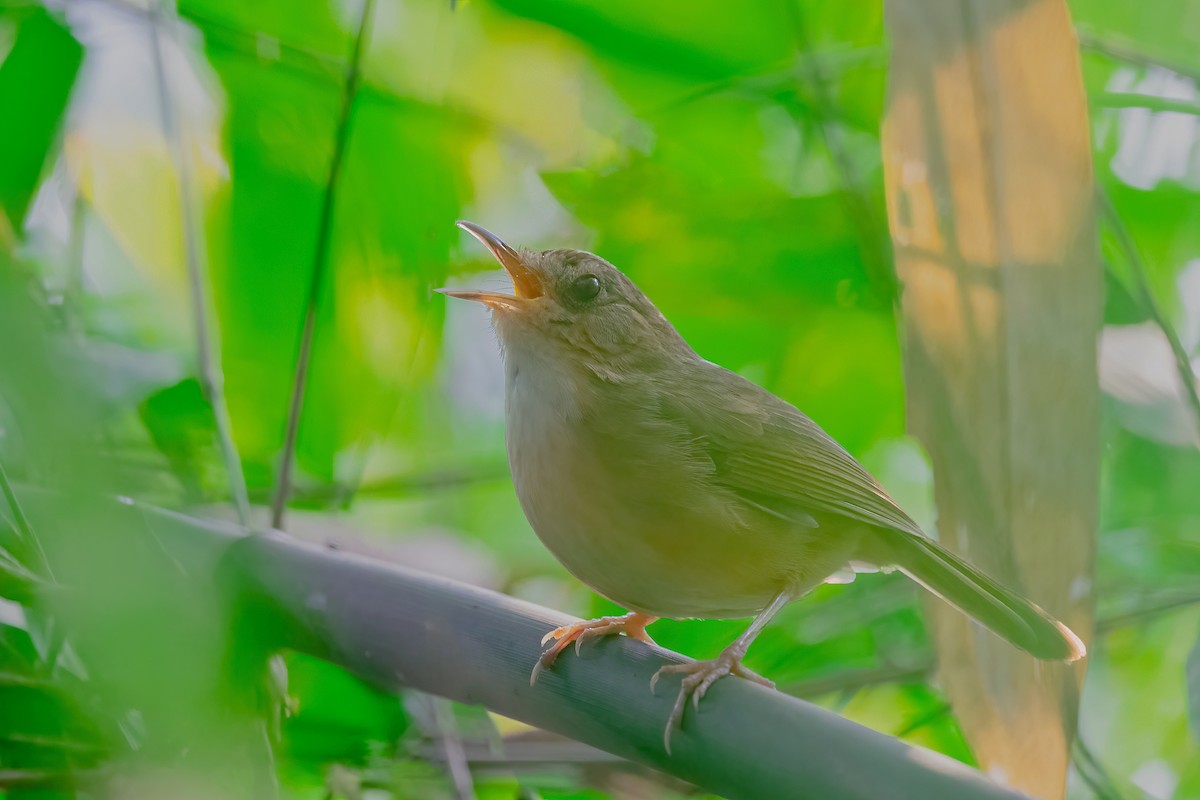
(678, 489)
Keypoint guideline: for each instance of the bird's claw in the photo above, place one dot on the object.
(632, 625)
(698, 676)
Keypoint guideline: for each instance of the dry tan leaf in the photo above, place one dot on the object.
(989, 181)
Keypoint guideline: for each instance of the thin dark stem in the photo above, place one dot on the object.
(852, 680)
(1092, 772)
(1148, 611)
(929, 717)
(320, 266)
(1151, 103)
(207, 337)
(1130, 53)
(1145, 295)
(766, 82)
(306, 62)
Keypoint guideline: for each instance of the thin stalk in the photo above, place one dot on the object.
(1161, 605)
(320, 266)
(1158, 105)
(855, 679)
(852, 680)
(1093, 773)
(1122, 50)
(306, 62)
(208, 347)
(929, 717)
(1145, 295)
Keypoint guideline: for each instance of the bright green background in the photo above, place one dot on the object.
(727, 158)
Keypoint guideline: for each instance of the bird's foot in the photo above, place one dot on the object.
(698, 676)
(632, 625)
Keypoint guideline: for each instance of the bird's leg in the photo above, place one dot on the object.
(632, 625)
(699, 675)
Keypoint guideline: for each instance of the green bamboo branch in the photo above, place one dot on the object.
(398, 628)
(402, 629)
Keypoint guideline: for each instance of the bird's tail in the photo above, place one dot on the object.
(975, 594)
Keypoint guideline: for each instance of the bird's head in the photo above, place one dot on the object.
(572, 304)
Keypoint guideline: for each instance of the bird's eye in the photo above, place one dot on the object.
(584, 289)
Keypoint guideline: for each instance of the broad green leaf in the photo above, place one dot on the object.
(36, 77)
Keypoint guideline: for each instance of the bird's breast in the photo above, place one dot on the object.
(620, 498)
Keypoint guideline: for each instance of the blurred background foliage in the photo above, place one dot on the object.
(728, 160)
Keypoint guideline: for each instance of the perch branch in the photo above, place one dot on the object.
(399, 628)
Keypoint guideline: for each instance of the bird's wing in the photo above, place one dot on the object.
(773, 456)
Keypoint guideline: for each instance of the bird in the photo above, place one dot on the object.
(679, 489)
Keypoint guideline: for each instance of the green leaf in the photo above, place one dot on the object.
(336, 716)
(312, 27)
(35, 81)
(180, 422)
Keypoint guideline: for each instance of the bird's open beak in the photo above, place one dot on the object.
(526, 282)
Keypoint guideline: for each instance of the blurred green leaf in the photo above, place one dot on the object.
(36, 77)
(315, 27)
(337, 718)
(704, 44)
(180, 422)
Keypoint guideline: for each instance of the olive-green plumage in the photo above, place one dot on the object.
(677, 488)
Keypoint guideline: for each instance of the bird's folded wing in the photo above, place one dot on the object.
(773, 456)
